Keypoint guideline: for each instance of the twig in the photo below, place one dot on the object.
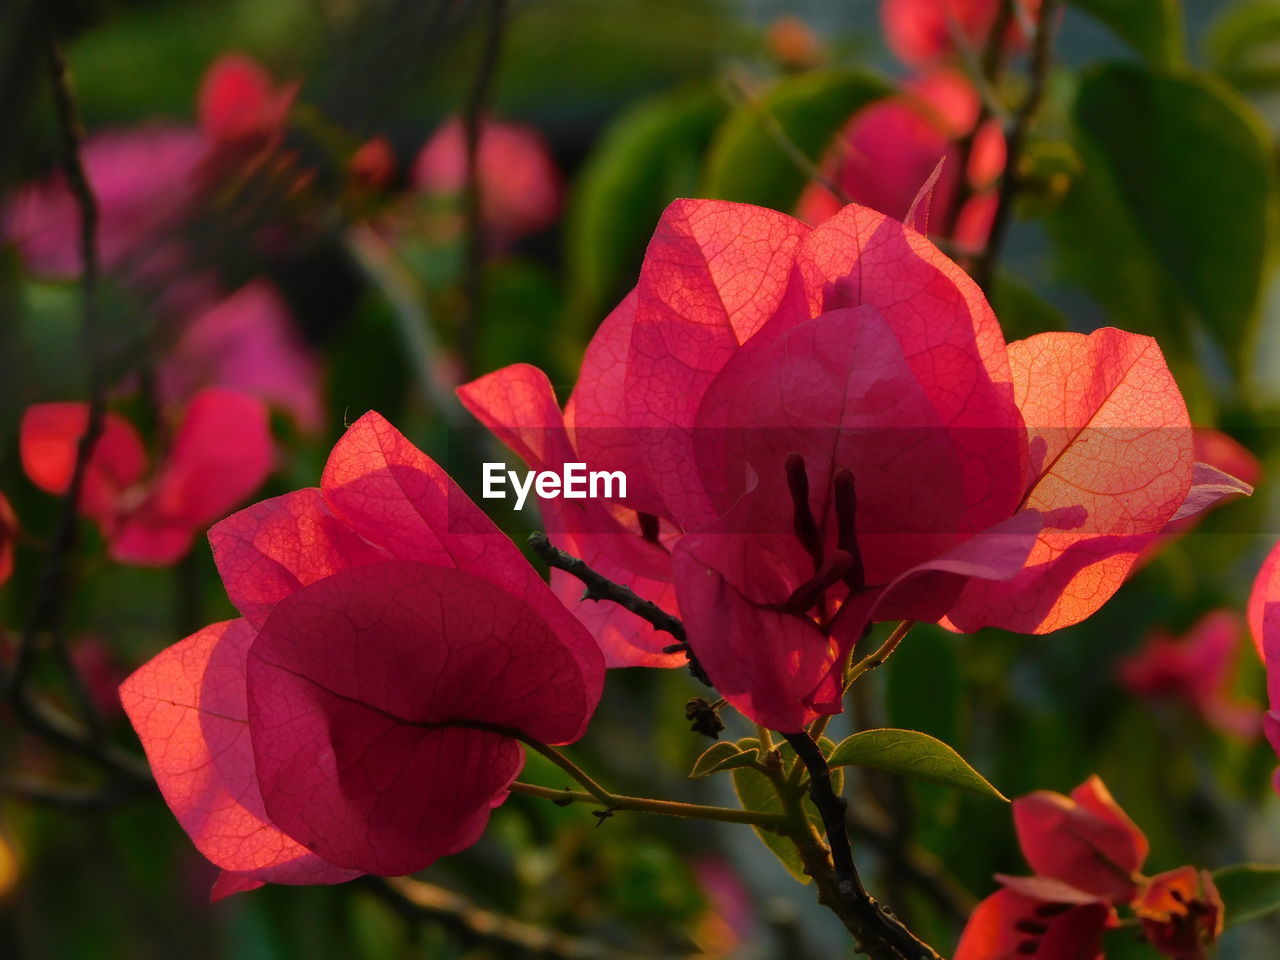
(473, 120)
(602, 588)
(920, 869)
(882, 935)
(665, 808)
(48, 611)
(1041, 61)
(877, 657)
(386, 271)
(71, 799)
(987, 75)
(415, 900)
(799, 159)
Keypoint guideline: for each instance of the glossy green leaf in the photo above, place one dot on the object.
(1154, 28)
(724, 755)
(757, 792)
(648, 156)
(1242, 42)
(912, 754)
(747, 162)
(1248, 890)
(1167, 225)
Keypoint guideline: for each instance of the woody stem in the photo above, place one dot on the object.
(668, 808)
(878, 656)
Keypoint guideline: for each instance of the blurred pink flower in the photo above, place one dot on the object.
(221, 451)
(8, 533)
(922, 32)
(247, 343)
(1197, 670)
(888, 150)
(239, 104)
(142, 180)
(520, 187)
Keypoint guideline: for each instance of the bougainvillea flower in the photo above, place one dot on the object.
(363, 715)
(8, 534)
(888, 151)
(1181, 912)
(922, 32)
(520, 186)
(373, 165)
(220, 452)
(142, 180)
(1087, 854)
(1264, 624)
(824, 428)
(248, 343)
(239, 103)
(1196, 670)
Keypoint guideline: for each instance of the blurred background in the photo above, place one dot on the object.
(285, 213)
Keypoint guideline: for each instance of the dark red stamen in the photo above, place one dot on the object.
(648, 526)
(846, 499)
(807, 595)
(805, 526)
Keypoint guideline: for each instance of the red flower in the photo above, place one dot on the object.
(239, 104)
(8, 533)
(1181, 912)
(1086, 854)
(888, 151)
(921, 32)
(220, 453)
(1197, 670)
(824, 427)
(360, 717)
(142, 180)
(249, 343)
(1264, 624)
(520, 187)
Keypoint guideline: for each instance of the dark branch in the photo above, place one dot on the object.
(602, 588)
(1016, 139)
(882, 935)
(48, 611)
(473, 120)
(415, 900)
(994, 55)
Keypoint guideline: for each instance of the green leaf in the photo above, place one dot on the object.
(757, 792)
(724, 755)
(1248, 890)
(1154, 28)
(1242, 42)
(647, 157)
(912, 754)
(747, 163)
(1167, 225)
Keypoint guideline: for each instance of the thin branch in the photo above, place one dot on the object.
(71, 799)
(415, 900)
(880, 934)
(473, 120)
(383, 267)
(602, 588)
(917, 867)
(877, 657)
(799, 159)
(665, 808)
(1016, 139)
(987, 79)
(51, 600)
